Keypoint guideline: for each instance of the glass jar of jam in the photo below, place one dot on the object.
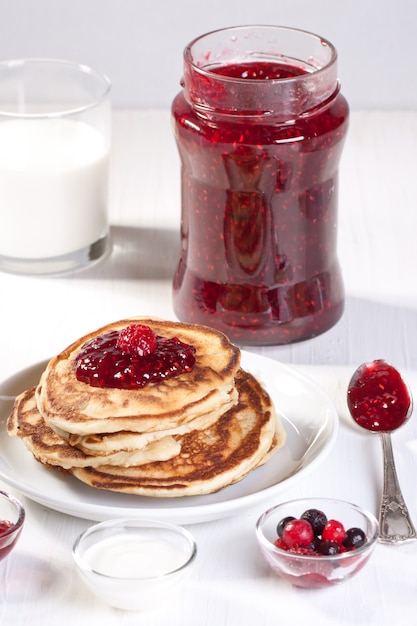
(260, 126)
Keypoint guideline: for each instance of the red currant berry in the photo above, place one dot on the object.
(137, 340)
(279, 543)
(298, 533)
(334, 531)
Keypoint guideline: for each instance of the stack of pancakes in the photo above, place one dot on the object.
(191, 434)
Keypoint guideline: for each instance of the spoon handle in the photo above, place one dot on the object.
(395, 524)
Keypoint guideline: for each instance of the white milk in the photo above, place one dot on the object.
(53, 187)
(128, 572)
(129, 557)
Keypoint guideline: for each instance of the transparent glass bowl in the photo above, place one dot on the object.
(134, 564)
(12, 517)
(316, 571)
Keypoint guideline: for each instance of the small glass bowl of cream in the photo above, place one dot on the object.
(134, 564)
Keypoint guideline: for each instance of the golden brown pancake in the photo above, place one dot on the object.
(49, 448)
(75, 407)
(195, 462)
(126, 440)
(210, 459)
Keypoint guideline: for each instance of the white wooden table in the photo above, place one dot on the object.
(230, 584)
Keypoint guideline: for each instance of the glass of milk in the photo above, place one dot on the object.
(55, 126)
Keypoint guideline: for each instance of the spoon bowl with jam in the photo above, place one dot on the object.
(380, 401)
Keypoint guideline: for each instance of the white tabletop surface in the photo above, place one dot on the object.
(230, 584)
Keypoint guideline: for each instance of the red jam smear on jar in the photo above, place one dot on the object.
(259, 217)
(100, 363)
(378, 397)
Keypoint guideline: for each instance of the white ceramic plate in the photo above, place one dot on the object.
(308, 416)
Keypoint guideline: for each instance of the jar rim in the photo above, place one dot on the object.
(313, 54)
(188, 55)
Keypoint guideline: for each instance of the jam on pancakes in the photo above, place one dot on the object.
(132, 358)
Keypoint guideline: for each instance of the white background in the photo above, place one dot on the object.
(139, 43)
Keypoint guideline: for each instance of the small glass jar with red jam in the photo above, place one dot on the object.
(260, 126)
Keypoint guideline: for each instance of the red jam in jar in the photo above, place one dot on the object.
(101, 362)
(260, 136)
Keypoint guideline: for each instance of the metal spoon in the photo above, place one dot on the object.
(379, 400)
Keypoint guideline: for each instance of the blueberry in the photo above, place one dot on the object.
(328, 548)
(317, 519)
(315, 545)
(355, 538)
(282, 523)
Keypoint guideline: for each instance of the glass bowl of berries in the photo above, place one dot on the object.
(316, 542)
(12, 517)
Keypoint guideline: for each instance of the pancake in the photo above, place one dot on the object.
(50, 449)
(210, 459)
(203, 460)
(71, 406)
(125, 440)
(187, 435)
